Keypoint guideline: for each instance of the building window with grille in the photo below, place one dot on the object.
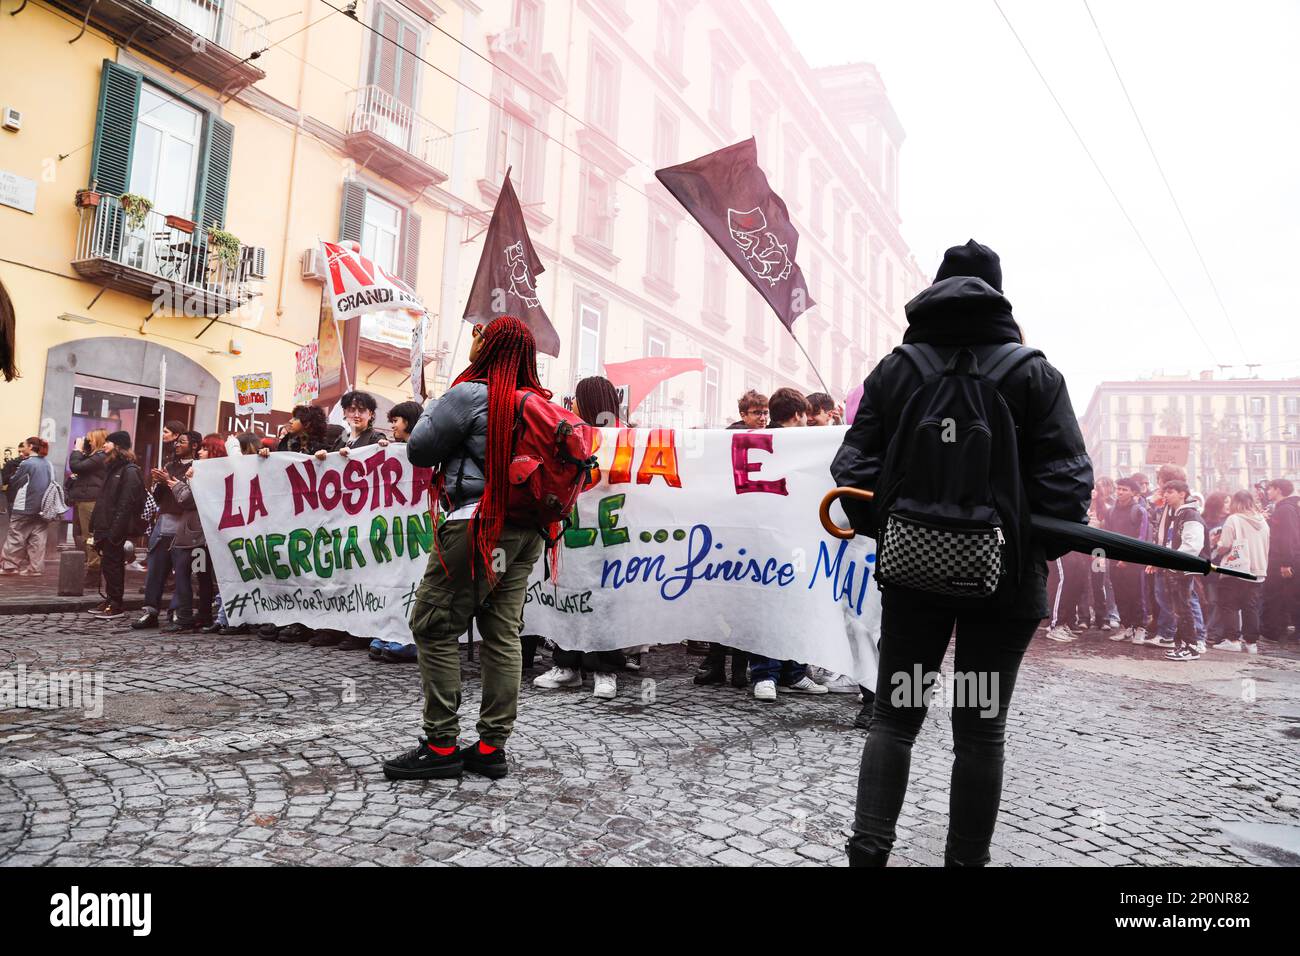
(598, 207)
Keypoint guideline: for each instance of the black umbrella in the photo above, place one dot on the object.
(1072, 535)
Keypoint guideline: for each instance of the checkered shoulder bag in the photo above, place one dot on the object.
(937, 560)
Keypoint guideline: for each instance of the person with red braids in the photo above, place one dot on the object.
(480, 566)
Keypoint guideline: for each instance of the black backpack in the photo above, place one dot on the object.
(951, 501)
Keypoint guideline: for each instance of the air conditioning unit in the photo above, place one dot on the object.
(13, 119)
(257, 267)
(313, 265)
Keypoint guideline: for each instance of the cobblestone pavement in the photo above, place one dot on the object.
(214, 750)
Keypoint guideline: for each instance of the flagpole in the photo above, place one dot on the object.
(825, 387)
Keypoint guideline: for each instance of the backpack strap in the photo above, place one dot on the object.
(927, 361)
(1006, 358)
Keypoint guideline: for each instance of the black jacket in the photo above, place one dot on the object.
(1130, 521)
(121, 500)
(370, 436)
(304, 444)
(1057, 473)
(162, 493)
(1284, 535)
(452, 435)
(89, 471)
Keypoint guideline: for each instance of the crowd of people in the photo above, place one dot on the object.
(1256, 531)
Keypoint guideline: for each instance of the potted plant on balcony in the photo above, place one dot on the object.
(225, 246)
(136, 208)
(87, 198)
(181, 224)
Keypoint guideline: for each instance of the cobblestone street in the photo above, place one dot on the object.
(214, 750)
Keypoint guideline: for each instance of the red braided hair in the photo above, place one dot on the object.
(507, 362)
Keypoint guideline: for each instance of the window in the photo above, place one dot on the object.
(528, 21)
(511, 147)
(598, 207)
(589, 322)
(816, 199)
(1121, 403)
(1257, 406)
(393, 68)
(662, 246)
(1121, 429)
(720, 92)
(199, 17)
(754, 305)
(1122, 458)
(1258, 457)
(665, 136)
(165, 166)
(1148, 404)
(668, 40)
(715, 285)
(1148, 428)
(381, 233)
(838, 213)
(602, 91)
(859, 252)
(656, 403)
(791, 174)
(1292, 405)
(1293, 458)
(712, 393)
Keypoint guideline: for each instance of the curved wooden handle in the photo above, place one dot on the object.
(825, 511)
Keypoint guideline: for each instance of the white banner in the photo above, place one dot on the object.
(357, 286)
(705, 534)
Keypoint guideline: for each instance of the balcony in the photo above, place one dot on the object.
(161, 261)
(209, 40)
(387, 136)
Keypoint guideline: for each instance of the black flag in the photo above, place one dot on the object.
(506, 280)
(729, 196)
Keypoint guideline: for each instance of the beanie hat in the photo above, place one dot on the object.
(972, 259)
(120, 440)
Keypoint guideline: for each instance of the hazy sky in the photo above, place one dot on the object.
(988, 155)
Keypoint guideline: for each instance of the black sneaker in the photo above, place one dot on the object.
(211, 628)
(268, 632)
(145, 622)
(423, 764)
(294, 634)
(231, 630)
(711, 672)
(493, 765)
(326, 638)
(179, 627)
(108, 612)
(739, 670)
(863, 720)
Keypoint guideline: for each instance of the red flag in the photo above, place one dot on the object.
(642, 375)
(729, 196)
(506, 280)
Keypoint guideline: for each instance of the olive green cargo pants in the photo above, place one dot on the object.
(445, 603)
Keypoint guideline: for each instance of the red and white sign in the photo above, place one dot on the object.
(253, 394)
(356, 286)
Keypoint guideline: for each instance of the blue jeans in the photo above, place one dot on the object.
(1167, 621)
(784, 673)
(158, 564)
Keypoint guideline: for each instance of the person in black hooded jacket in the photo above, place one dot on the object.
(964, 307)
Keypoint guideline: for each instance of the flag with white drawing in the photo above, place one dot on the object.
(506, 280)
(728, 194)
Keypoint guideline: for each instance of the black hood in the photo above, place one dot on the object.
(961, 310)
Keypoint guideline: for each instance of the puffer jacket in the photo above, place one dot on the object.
(121, 501)
(452, 435)
(89, 475)
(27, 487)
(966, 312)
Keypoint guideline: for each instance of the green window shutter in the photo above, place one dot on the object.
(119, 106)
(409, 268)
(353, 215)
(214, 173)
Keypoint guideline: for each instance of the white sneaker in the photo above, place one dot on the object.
(1228, 645)
(1200, 647)
(558, 677)
(1139, 635)
(1124, 634)
(606, 687)
(1105, 626)
(1252, 648)
(1162, 642)
(833, 682)
(806, 685)
(1060, 633)
(765, 690)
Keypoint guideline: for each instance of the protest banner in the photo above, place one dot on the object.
(1168, 450)
(306, 373)
(253, 394)
(356, 286)
(704, 534)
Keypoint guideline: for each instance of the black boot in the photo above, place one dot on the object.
(529, 644)
(739, 669)
(863, 720)
(712, 669)
(860, 855)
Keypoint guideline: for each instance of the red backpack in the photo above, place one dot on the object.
(551, 463)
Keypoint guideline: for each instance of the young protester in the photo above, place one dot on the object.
(359, 409)
(401, 420)
(25, 542)
(1129, 518)
(1282, 587)
(1166, 619)
(595, 401)
(962, 311)
(1243, 546)
(1183, 530)
(789, 409)
(119, 508)
(87, 464)
(753, 408)
(481, 563)
(191, 557)
(822, 410)
(1206, 586)
(1105, 615)
(183, 447)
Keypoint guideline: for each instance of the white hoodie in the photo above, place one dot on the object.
(1244, 543)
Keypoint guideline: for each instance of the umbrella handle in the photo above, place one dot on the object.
(1244, 575)
(824, 512)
